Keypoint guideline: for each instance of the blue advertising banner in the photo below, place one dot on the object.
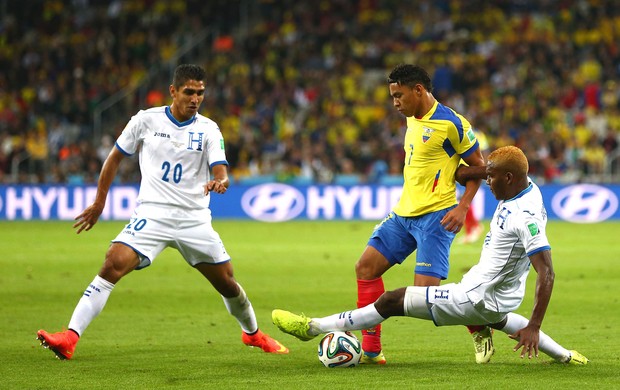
(276, 202)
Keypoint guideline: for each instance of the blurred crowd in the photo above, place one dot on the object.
(300, 91)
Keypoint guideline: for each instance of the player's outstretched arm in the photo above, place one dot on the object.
(89, 217)
(529, 336)
(465, 173)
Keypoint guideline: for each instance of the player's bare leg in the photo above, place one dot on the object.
(239, 306)
(119, 261)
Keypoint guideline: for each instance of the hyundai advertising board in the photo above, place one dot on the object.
(277, 202)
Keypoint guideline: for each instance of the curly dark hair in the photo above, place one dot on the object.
(410, 75)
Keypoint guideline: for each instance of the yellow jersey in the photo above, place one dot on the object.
(434, 146)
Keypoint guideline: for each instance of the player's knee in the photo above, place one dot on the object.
(371, 265)
(367, 270)
(390, 303)
(225, 284)
(117, 264)
(228, 288)
(112, 271)
(360, 269)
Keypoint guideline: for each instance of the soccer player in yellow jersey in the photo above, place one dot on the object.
(428, 216)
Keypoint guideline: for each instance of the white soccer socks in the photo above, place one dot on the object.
(362, 318)
(90, 305)
(241, 308)
(545, 343)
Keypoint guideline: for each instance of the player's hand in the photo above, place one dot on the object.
(528, 340)
(215, 186)
(88, 218)
(454, 219)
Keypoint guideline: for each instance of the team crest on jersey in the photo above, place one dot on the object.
(426, 135)
(194, 141)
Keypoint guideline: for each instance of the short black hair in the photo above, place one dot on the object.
(410, 75)
(185, 72)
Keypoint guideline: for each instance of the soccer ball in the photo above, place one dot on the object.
(340, 349)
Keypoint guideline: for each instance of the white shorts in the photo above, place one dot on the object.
(449, 305)
(153, 228)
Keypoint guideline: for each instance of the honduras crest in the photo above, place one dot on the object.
(426, 134)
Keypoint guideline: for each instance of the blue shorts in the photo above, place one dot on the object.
(397, 237)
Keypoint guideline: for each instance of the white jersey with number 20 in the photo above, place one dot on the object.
(175, 157)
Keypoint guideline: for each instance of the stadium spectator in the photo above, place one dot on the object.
(307, 71)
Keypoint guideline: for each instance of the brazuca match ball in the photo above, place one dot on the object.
(340, 349)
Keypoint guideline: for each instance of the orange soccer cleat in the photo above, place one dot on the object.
(264, 342)
(61, 343)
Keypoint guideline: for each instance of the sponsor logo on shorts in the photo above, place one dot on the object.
(441, 294)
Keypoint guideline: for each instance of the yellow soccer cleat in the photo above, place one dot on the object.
(293, 324)
(483, 345)
(577, 359)
(373, 358)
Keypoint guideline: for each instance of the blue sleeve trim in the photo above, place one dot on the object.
(223, 162)
(541, 249)
(121, 150)
(471, 150)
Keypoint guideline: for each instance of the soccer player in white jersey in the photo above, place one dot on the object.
(182, 160)
(492, 289)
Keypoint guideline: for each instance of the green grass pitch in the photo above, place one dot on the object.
(166, 327)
